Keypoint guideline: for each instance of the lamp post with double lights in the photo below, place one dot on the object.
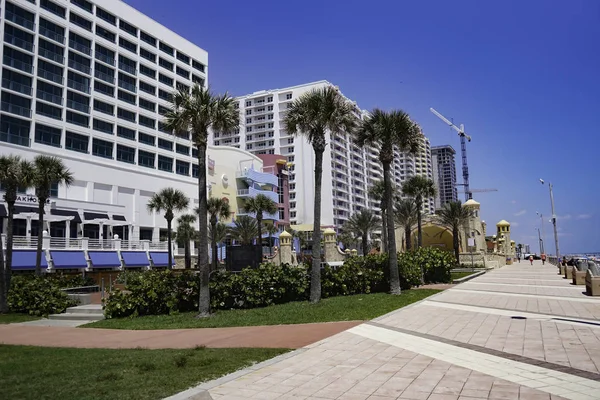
(541, 241)
(553, 219)
(543, 232)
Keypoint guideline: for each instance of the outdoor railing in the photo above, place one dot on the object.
(60, 243)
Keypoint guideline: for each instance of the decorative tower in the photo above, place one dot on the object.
(503, 231)
(474, 226)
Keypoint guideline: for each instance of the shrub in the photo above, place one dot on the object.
(436, 265)
(39, 296)
(356, 276)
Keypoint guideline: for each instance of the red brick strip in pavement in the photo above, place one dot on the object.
(275, 336)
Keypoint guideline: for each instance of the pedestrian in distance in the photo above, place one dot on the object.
(531, 260)
(519, 257)
(543, 258)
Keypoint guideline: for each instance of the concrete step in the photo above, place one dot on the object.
(77, 317)
(86, 309)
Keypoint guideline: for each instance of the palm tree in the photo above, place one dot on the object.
(454, 216)
(271, 230)
(186, 233)
(362, 224)
(197, 112)
(218, 234)
(389, 131)
(312, 115)
(419, 188)
(217, 209)
(168, 200)
(376, 192)
(406, 216)
(244, 230)
(15, 173)
(47, 171)
(259, 205)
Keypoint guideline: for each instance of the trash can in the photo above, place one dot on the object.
(509, 261)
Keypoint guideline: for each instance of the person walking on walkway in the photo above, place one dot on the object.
(519, 257)
(531, 260)
(543, 258)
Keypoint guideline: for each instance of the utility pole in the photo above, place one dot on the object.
(553, 219)
(543, 231)
(540, 241)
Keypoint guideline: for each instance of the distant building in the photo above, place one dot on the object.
(444, 174)
(278, 165)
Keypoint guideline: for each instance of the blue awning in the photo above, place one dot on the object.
(160, 259)
(135, 258)
(68, 259)
(25, 259)
(104, 259)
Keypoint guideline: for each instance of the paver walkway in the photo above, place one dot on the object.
(520, 332)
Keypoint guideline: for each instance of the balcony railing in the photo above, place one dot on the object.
(8, 137)
(10, 16)
(105, 77)
(266, 216)
(80, 47)
(18, 64)
(17, 87)
(20, 43)
(57, 37)
(104, 58)
(127, 86)
(52, 98)
(50, 55)
(15, 109)
(51, 76)
(78, 86)
(61, 243)
(252, 192)
(78, 106)
(127, 68)
(259, 177)
(80, 67)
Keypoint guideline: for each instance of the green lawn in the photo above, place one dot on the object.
(33, 373)
(12, 318)
(458, 275)
(342, 308)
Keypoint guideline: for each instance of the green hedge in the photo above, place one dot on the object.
(163, 292)
(39, 296)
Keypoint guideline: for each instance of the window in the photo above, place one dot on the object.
(163, 128)
(20, 16)
(78, 119)
(165, 144)
(125, 133)
(126, 97)
(182, 87)
(102, 148)
(104, 89)
(127, 82)
(106, 34)
(148, 55)
(16, 59)
(48, 110)
(288, 96)
(50, 51)
(182, 168)
(163, 94)
(86, 5)
(145, 87)
(162, 110)
(47, 135)
(128, 65)
(198, 65)
(165, 163)
(248, 103)
(80, 21)
(181, 149)
(78, 102)
(194, 170)
(14, 130)
(14, 81)
(76, 142)
(125, 154)
(165, 79)
(146, 159)
(165, 64)
(183, 57)
(105, 55)
(126, 115)
(54, 190)
(50, 93)
(248, 112)
(103, 107)
(249, 147)
(166, 48)
(149, 72)
(80, 63)
(105, 73)
(132, 30)
(194, 152)
(198, 80)
(51, 30)
(183, 72)
(269, 100)
(146, 139)
(147, 105)
(78, 82)
(53, 8)
(248, 120)
(147, 38)
(106, 16)
(127, 45)
(148, 122)
(102, 126)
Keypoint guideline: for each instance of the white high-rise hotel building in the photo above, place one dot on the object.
(348, 170)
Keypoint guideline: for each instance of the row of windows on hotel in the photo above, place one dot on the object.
(56, 32)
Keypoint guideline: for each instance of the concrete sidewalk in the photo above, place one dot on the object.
(520, 332)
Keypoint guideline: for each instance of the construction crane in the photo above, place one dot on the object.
(463, 149)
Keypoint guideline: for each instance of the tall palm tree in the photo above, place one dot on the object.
(196, 112)
(168, 200)
(47, 171)
(218, 234)
(186, 233)
(419, 188)
(312, 115)
(376, 192)
(362, 224)
(244, 230)
(406, 217)
(15, 173)
(389, 131)
(454, 216)
(259, 205)
(271, 230)
(217, 209)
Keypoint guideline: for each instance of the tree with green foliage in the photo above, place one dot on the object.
(244, 230)
(186, 233)
(313, 115)
(405, 215)
(218, 234)
(455, 217)
(362, 224)
(15, 174)
(197, 112)
(170, 201)
(419, 188)
(389, 131)
(47, 171)
(271, 230)
(260, 205)
(218, 209)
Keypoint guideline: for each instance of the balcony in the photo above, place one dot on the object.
(16, 86)
(263, 178)
(18, 42)
(15, 109)
(266, 216)
(57, 37)
(252, 192)
(10, 16)
(18, 64)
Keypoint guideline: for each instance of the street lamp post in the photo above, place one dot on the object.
(553, 219)
(541, 241)
(543, 231)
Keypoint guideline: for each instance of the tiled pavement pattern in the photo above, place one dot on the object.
(493, 338)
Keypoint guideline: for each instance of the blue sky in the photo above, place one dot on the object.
(523, 76)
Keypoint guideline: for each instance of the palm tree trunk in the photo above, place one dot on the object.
(213, 246)
(384, 243)
(259, 220)
(419, 231)
(188, 255)
(365, 240)
(40, 237)
(407, 238)
(270, 244)
(315, 276)
(456, 245)
(392, 253)
(3, 287)
(169, 243)
(204, 296)
(9, 247)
